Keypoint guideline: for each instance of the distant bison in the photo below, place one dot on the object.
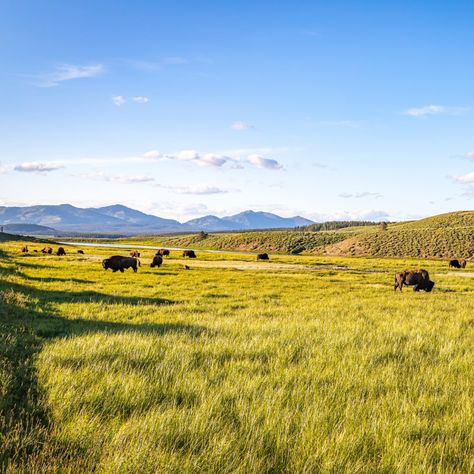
(189, 253)
(47, 250)
(186, 267)
(135, 253)
(419, 279)
(463, 263)
(454, 264)
(81, 252)
(119, 263)
(163, 252)
(61, 251)
(25, 249)
(263, 256)
(157, 261)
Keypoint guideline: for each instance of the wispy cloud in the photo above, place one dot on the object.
(153, 154)
(118, 100)
(469, 155)
(140, 99)
(260, 161)
(125, 179)
(207, 159)
(420, 112)
(195, 190)
(241, 126)
(68, 72)
(39, 167)
(365, 194)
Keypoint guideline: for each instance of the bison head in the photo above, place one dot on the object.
(429, 285)
(105, 263)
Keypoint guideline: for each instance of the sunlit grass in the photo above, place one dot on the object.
(300, 364)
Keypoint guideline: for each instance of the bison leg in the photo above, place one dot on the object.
(134, 269)
(416, 287)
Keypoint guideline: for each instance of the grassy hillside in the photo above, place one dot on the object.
(445, 236)
(267, 241)
(297, 365)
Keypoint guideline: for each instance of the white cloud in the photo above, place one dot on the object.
(470, 155)
(140, 99)
(241, 126)
(360, 195)
(125, 179)
(153, 154)
(213, 159)
(187, 155)
(197, 190)
(68, 72)
(466, 179)
(265, 163)
(39, 167)
(358, 215)
(428, 110)
(118, 100)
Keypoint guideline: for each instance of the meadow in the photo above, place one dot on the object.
(302, 364)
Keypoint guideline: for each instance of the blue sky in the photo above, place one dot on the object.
(324, 109)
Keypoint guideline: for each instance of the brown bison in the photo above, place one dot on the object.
(157, 261)
(186, 267)
(47, 250)
(419, 279)
(263, 256)
(81, 252)
(25, 249)
(61, 252)
(463, 263)
(163, 252)
(454, 263)
(189, 253)
(135, 254)
(119, 263)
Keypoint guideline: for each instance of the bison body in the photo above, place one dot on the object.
(157, 261)
(118, 263)
(263, 256)
(135, 254)
(454, 263)
(419, 279)
(463, 263)
(61, 251)
(48, 250)
(189, 253)
(163, 252)
(81, 252)
(25, 249)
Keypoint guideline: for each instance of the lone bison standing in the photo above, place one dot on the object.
(61, 252)
(263, 256)
(189, 253)
(157, 261)
(419, 279)
(119, 263)
(454, 263)
(163, 252)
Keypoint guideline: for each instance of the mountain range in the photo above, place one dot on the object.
(122, 220)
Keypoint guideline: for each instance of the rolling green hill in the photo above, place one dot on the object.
(448, 235)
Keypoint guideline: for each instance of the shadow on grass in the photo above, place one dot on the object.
(28, 318)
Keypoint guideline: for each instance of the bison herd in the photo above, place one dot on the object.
(419, 279)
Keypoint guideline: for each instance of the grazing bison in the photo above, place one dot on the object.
(135, 253)
(47, 250)
(61, 251)
(463, 263)
(419, 279)
(25, 249)
(157, 261)
(119, 263)
(189, 253)
(163, 252)
(454, 263)
(186, 267)
(81, 252)
(263, 256)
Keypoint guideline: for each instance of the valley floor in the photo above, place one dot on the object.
(299, 364)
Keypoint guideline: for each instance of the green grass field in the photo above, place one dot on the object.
(298, 365)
